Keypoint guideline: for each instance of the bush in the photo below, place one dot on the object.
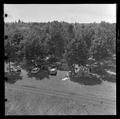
(90, 80)
(98, 70)
(12, 77)
(108, 77)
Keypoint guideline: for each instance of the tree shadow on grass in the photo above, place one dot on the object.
(109, 78)
(12, 77)
(40, 75)
(87, 80)
(106, 76)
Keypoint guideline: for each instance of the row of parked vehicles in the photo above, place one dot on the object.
(52, 69)
(14, 68)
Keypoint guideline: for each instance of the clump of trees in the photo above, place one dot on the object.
(75, 43)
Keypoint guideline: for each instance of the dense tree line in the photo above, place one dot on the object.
(73, 42)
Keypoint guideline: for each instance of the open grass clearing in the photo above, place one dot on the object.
(27, 103)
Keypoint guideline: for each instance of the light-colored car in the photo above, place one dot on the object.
(18, 68)
(12, 69)
(15, 69)
(53, 70)
(35, 70)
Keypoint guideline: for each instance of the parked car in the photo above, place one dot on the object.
(53, 70)
(18, 68)
(35, 70)
(14, 69)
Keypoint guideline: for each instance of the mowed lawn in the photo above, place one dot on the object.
(26, 103)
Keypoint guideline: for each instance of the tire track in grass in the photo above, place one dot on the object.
(69, 95)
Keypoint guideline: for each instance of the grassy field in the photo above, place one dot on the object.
(31, 104)
(27, 103)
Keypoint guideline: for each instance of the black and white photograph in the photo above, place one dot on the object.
(60, 59)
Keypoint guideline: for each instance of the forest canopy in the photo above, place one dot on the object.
(73, 42)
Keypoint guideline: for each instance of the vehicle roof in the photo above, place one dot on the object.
(36, 68)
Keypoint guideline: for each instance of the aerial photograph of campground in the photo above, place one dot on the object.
(60, 59)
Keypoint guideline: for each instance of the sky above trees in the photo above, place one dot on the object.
(81, 13)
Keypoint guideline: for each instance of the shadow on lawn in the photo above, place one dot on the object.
(87, 80)
(109, 78)
(39, 76)
(12, 77)
(106, 76)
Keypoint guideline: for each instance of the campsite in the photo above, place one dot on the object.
(60, 68)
